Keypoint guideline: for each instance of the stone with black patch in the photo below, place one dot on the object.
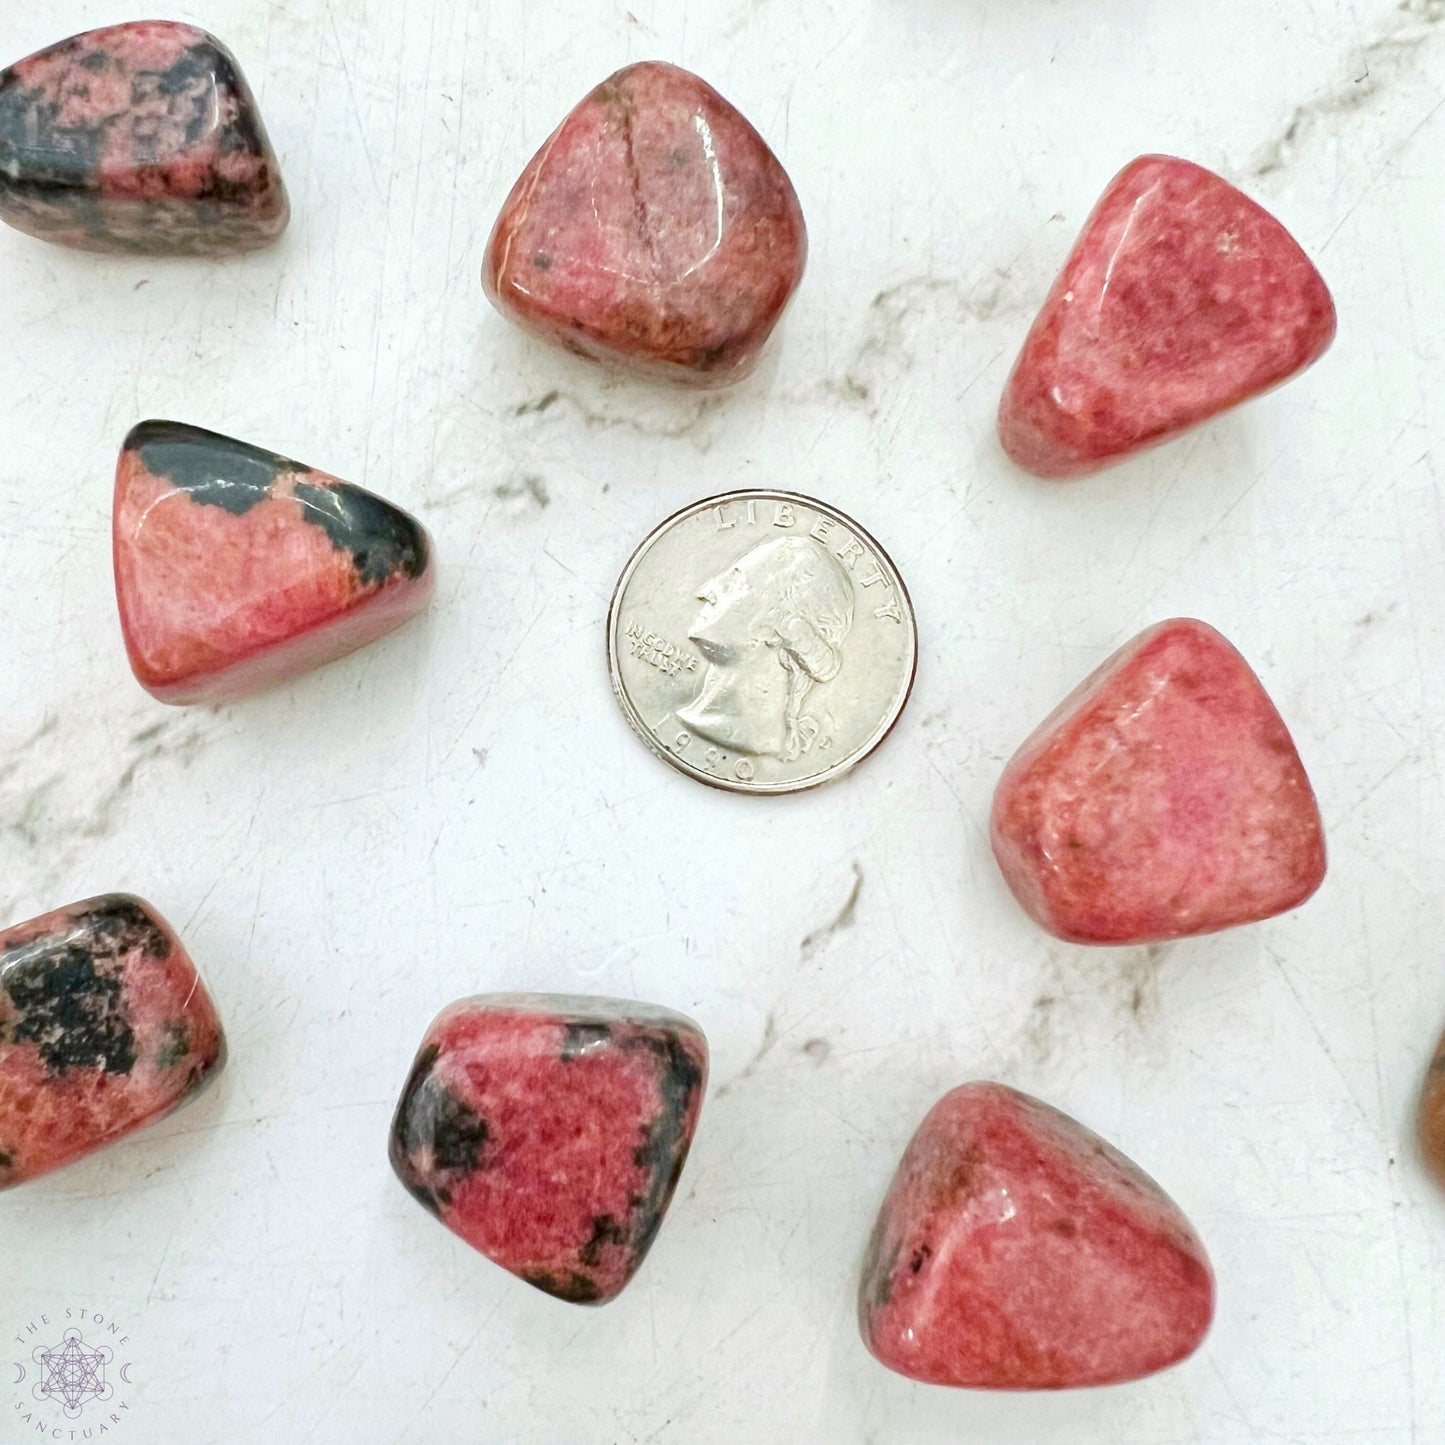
(1016, 1250)
(175, 1045)
(69, 1003)
(590, 1106)
(104, 1025)
(140, 138)
(577, 1038)
(211, 469)
(574, 1289)
(119, 924)
(435, 1138)
(381, 540)
(237, 568)
(668, 1136)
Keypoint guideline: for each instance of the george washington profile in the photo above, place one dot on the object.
(772, 626)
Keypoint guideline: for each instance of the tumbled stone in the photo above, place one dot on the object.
(142, 137)
(1016, 1250)
(549, 1132)
(105, 1025)
(1181, 298)
(1162, 798)
(654, 231)
(1431, 1121)
(236, 568)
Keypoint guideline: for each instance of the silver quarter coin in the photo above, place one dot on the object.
(761, 641)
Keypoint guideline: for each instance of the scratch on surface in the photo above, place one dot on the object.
(425, 1405)
(1322, 1041)
(820, 937)
(160, 1265)
(1369, 69)
(356, 108)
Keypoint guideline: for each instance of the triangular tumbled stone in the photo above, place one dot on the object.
(1016, 1250)
(549, 1132)
(141, 137)
(105, 1025)
(236, 568)
(654, 231)
(1163, 798)
(1181, 298)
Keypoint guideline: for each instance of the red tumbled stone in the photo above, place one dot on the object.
(1180, 299)
(236, 568)
(105, 1025)
(654, 231)
(1016, 1250)
(1430, 1122)
(549, 1132)
(142, 137)
(1162, 798)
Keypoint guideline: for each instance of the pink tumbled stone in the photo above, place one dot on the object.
(654, 231)
(105, 1025)
(1180, 299)
(1016, 1250)
(1162, 798)
(236, 569)
(549, 1132)
(142, 138)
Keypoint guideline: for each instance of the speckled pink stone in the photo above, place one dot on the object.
(549, 1132)
(236, 569)
(1162, 798)
(1180, 299)
(1430, 1120)
(142, 137)
(654, 231)
(105, 1025)
(1016, 1250)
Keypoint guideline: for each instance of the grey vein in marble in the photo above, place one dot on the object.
(1370, 69)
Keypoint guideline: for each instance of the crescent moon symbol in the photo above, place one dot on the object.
(123, 1374)
(20, 1375)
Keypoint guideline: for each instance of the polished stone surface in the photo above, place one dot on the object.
(141, 137)
(1430, 1122)
(549, 1132)
(1016, 1250)
(1162, 798)
(1180, 299)
(105, 1025)
(236, 568)
(474, 771)
(654, 231)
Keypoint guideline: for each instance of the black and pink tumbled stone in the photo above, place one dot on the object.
(549, 1132)
(141, 138)
(105, 1025)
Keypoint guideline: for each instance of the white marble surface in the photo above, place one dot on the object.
(462, 808)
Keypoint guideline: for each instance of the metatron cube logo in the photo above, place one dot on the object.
(73, 1377)
(72, 1374)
